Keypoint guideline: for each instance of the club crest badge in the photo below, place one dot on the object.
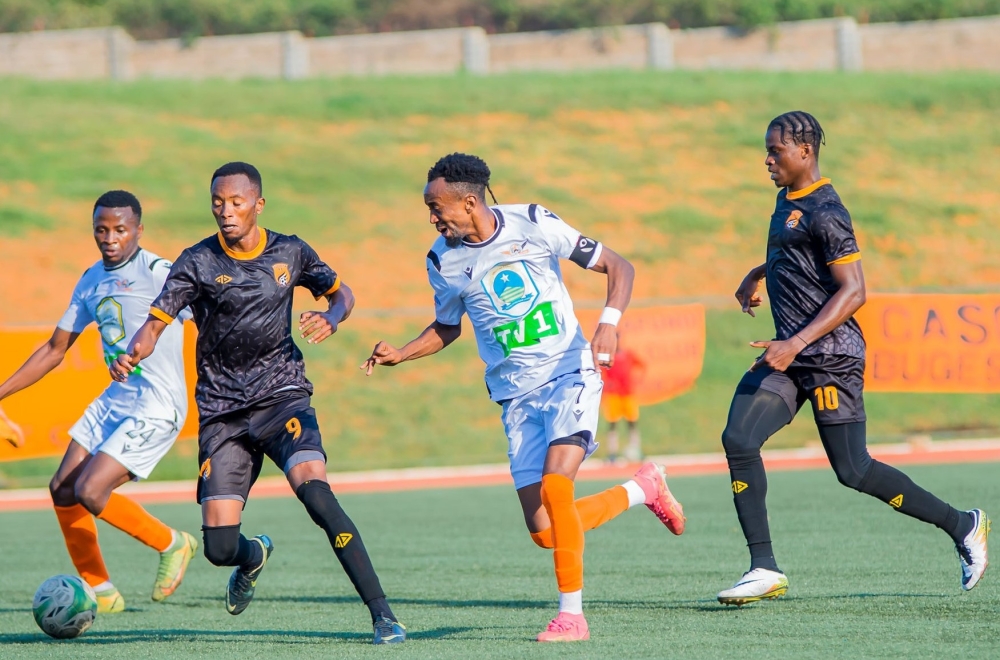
(511, 289)
(281, 275)
(793, 219)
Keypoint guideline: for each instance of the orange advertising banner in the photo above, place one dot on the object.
(671, 342)
(932, 342)
(46, 410)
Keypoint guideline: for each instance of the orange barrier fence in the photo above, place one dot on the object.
(916, 343)
(46, 410)
(670, 341)
(932, 342)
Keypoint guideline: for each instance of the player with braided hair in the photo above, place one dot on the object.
(815, 285)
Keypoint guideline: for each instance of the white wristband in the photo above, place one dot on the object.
(611, 316)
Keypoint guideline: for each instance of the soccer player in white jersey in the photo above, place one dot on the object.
(500, 266)
(127, 430)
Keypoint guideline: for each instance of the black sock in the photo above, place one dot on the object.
(379, 607)
(754, 416)
(249, 555)
(898, 491)
(326, 512)
(749, 483)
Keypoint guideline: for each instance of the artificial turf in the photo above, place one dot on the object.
(463, 575)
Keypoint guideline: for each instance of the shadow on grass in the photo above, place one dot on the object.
(712, 605)
(435, 602)
(173, 635)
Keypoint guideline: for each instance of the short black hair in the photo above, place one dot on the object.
(801, 127)
(470, 172)
(119, 199)
(239, 167)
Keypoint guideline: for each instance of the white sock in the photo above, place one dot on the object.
(104, 586)
(173, 541)
(572, 602)
(636, 495)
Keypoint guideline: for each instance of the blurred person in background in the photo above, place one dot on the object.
(619, 401)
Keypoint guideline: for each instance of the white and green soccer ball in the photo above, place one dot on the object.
(64, 607)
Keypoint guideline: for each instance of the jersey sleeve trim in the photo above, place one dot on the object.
(332, 290)
(846, 259)
(799, 194)
(161, 315)
(246, 256)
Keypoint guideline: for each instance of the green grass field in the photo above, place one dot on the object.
(665, 168)
(468, 582)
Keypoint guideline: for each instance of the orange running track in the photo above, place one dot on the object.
(380, 481)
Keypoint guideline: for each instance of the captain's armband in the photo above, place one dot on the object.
(586, 253)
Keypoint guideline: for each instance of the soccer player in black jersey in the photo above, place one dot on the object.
(815, 285)
(252, 393)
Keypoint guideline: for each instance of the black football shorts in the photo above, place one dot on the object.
(231, 447)
(834, 384)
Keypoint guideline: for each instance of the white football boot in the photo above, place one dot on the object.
(755, 585)
(972, 551)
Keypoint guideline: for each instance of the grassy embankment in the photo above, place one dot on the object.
(664, 167)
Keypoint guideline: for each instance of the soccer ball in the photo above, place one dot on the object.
(65, 606)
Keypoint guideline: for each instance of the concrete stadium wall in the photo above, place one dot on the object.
(62, 54)
(822, 45)
(968, 43)
(417, 52)
(802, 46)
(623, 47)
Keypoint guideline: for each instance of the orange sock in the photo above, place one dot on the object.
(80, 531)
(567, 531)
(594, 510)
(128, 516)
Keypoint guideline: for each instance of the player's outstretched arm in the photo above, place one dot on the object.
(141, 346)
(433, 339)
(747, 293)
(621, 275)
(317, 326)
(841, 306)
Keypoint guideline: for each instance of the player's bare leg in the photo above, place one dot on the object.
(612, 441)
(94, 490)
(79, 529)
(308, 480)
(633, 452)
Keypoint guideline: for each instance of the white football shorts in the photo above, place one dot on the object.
(137, 435)
(566, 406)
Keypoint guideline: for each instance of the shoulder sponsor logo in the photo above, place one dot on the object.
(223, 279)
(281, 274)
(515, 249)
(793, 219)
(739, 487)
(206, 470)
(510, 288)
(468, 272)
(343, 539)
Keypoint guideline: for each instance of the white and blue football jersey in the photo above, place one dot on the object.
(511, 287)
(118, 300)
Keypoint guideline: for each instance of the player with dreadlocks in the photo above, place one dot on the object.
(500, 265)
(815, 285)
